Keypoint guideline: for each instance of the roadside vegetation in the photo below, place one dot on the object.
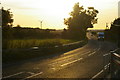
(113, 34)
(48, 48)
(20, 43)
(29, 43)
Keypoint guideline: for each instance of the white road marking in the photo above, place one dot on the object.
(116, 49)
(89, 54)
(64, 59)
(105, 67)
(95, 50)
(109, 64)
(92, 53)
(13, 75)
(107, 54)
(32, 76)
(71, 62)
(97, 74)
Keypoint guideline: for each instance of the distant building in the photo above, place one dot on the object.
(119, 9)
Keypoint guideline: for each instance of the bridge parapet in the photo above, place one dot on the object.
(115, 64)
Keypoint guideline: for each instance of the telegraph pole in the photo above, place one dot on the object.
(41, 23)
(107, 26)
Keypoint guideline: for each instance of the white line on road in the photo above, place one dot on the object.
(71, 62)
(97, 74)
(89, 54)
(94, 52)
(105, 67)
(13, 75)
(32, 76)
(109, 64)
(107, 54)
(64, 59)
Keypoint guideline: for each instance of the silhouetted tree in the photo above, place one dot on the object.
(80, 19)
(7, 16)
(7, 23)
(18, 26)
(115, 30)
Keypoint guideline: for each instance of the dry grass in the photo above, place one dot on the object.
(14, 44)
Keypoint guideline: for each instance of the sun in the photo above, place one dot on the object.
(53, 12)
(54, 7)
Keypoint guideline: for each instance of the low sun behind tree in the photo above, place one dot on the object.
(80, 19)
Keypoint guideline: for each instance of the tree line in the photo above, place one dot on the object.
(79, 21)
(18, 32)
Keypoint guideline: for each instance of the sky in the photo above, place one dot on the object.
(29, 13)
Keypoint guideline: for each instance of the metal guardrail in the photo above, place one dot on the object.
(115, 65)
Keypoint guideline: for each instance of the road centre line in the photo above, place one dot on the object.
(13, 75)
(75, 55)
(32, 76)
(68, 57)
(94, 52)
(71, 62)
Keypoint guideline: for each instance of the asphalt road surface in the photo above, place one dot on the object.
(89, 61)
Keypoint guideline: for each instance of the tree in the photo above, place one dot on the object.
(7, 16)
(115, 30)
(7, 23)
(80, 19)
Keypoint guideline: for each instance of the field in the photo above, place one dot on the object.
(28, 43)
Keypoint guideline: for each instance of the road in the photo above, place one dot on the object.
(89, 61)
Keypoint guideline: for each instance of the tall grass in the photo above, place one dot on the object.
(14, 49)
(28, 43)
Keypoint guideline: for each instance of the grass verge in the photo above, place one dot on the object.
(16, 52)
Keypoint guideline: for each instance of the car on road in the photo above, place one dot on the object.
(100, 36)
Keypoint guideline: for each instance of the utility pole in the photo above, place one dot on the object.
(107, 26)
(41, 23)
